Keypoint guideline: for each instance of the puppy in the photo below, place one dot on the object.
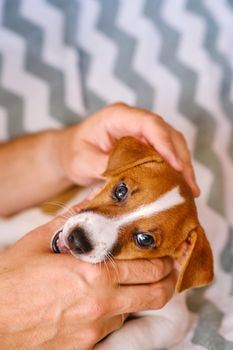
(145, 210)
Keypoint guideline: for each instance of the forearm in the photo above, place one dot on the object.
(30, 171)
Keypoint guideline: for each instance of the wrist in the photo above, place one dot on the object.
(7, 330)
(36, 174)
(70, 148)
(53, 147)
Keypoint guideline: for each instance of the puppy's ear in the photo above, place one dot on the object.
(129, 152)
(197, 267)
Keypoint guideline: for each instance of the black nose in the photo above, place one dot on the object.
(79, 242)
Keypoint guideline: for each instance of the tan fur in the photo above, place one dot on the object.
(148, 176)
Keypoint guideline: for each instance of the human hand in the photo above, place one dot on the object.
(84, 148)
(51, 301)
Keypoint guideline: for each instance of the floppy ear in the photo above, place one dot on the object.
(197, 268)
(129, 152)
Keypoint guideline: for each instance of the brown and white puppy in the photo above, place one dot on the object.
(145, 210)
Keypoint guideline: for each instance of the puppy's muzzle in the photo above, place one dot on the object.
(76, 242)
(57, 243)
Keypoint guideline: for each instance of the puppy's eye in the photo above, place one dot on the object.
(120, 192)
(144, 240)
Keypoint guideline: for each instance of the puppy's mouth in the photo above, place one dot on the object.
(58, 245)
(89, 236)
(80, 249)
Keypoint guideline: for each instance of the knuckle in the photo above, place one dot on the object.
(158, 269)
(113, 271)
(157, 298)
(123, 272)
(179, 134)
(159, 119)
(182, 138)
(95, 310)
(155, 120)
(164, 136)
(118, 105)
(166, 140)
(127, 304)
(120, 322)
(95, 334)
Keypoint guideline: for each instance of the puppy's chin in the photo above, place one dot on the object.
(90, 258)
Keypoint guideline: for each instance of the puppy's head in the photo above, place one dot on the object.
(145, 210)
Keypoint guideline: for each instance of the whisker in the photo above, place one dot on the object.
(113, 263)
(51, 213)
(107, 269)
(62, 206)
(116, 269)
(64, 216)
(100, 266)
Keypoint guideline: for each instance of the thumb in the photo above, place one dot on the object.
(83, 173)
(38, 240)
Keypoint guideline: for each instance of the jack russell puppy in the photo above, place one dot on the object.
(145, 210)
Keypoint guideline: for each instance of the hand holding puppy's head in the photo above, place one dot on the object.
(145, 210)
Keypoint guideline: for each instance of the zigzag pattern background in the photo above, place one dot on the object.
(62, 60)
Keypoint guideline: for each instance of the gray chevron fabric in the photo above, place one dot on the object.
(61, 60)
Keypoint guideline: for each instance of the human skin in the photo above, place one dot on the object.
(39, 166)
(52, 301)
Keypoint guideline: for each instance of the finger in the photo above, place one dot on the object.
(148, 126)
(188, 174)
(159, 137)
(39, 239)
(185, 156)
(145, 297)
(95, 192)
(92, 169)
(112, 324)
(141, 271)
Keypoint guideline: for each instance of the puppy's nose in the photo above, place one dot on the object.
(79, 242)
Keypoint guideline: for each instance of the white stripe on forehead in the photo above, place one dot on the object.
(103, 231)
(164, 202)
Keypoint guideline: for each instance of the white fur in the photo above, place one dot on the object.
(103, 231)
(152, 329)
(164, 202)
